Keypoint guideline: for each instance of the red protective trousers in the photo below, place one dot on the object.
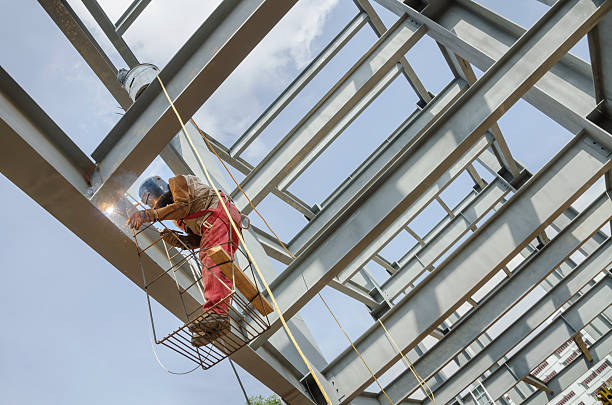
(221, 233)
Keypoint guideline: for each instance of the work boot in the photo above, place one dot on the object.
(209, 329)
(211, 322)
(200, 339)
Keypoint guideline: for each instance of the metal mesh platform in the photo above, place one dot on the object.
(207, 337)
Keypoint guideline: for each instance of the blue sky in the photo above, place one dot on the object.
(75, 329)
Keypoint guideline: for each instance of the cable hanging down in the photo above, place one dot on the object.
(250, 256)
(422, 383)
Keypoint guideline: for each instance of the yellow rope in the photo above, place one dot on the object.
(355, 349)
(212, 148)
(420, 380)
(251, 258)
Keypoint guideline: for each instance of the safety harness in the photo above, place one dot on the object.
(214, 214)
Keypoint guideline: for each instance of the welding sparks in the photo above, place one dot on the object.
(110, 210)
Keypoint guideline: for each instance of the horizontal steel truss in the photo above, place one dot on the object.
(438, 149)
(566, 377)
(28, 134)
(523, 280)
(114, 157)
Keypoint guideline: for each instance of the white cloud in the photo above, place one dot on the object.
(265, 72)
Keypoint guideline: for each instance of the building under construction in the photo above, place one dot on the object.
(440, 313)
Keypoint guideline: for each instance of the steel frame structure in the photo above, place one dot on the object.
(434, 289)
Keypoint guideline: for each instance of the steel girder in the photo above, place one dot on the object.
(537, 314)
(441, 146)
(334, 112)
(484, 254)
(481, 37)
(374, 168)
(526, 277)
(597, 300)
(180, 157)
(193, 74)
(28, 134)
(566, 377)
(308, 246)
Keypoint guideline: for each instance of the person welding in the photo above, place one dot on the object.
(196, 209)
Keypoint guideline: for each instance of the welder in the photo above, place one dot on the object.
(195, 208)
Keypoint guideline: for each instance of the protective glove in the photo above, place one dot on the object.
(138, 218)
(190, 241)
(171, 238)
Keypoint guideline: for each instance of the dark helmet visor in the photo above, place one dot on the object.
(151, 189)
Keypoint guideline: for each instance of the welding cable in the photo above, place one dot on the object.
(251, 258)
(419, 379)
(150, 330)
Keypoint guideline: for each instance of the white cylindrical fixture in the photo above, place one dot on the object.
(138, 78)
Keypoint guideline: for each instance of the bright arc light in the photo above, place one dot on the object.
(109, 210)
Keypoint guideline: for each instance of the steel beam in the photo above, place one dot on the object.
(490, 248)
(29, 135)
(332, 114)
(193, 74)
(500, 148)
(482, 37)
(181, 159)
(108, 28)
(438, 244)
(570, 374)
(130, 15)
(343, 123)
(85, 44)
(597, 300)
(574, 169)
(379, 29)
(374, 167)
(517, 287)
(298, 84)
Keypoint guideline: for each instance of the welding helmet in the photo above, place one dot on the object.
(152, 189)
